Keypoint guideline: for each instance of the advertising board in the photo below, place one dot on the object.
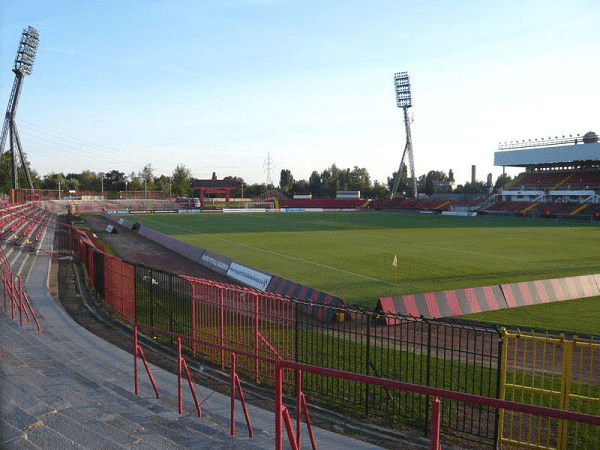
(249, 276)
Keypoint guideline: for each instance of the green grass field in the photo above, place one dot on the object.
(350, 254)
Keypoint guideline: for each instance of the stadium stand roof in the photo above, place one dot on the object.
(567, 154)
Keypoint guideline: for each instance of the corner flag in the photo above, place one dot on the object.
(395, 261)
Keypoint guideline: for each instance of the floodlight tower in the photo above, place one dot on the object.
(23, 67)
(404, 101)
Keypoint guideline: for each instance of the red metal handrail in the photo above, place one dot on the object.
(182, 364)
(282, 413)
(236, 385)
(436, 393)
(13, 288)
(139, 352)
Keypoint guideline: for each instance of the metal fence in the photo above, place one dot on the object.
(441, 354)
(554, 371)
(431, 353)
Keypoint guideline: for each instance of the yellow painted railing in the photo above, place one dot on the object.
(549, 371)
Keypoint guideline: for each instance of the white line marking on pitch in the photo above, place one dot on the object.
(283, 255)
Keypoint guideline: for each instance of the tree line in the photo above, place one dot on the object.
(333, 179)
(320, 184)
(177, 184)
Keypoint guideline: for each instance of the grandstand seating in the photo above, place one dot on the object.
(568, 180)
(549, 181)
(594, 210)
(585, 180)
(561, 208)
(542, 180)
(547, 209)
(23, 225)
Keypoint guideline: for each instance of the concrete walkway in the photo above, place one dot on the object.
(69, 389)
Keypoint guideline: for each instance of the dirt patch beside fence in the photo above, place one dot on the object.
(136, 249)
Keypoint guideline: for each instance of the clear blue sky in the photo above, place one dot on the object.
(218, 85)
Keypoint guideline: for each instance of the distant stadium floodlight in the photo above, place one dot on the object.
(404, 101)
(403, 96)
(23, 66)
(27, 51)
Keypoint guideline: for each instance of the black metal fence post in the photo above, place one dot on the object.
(498, 386)
(296, 342)
(368, 357)
(427, 378)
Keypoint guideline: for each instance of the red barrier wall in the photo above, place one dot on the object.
(488, 298)
(553, 290)
(445, 303)
(119, 286)
(298, 291)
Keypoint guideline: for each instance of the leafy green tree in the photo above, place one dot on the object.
(359, 180)
(501, 181)
(286, 181)
(330, 181)
(6, 174)
(403, 185)
(314, 184)
(436, 181)
(378, 191)
(478, 187)
(182, 181)
(88, 180)
(135, 183)
(114, 181)
(343, 182)
(420, 185)
(240, 191)
(254, 190)
(52, 180)
(162, 184)
(301, 187)
(429, 185)
(72, 184)
(147, 177)
(5, 179)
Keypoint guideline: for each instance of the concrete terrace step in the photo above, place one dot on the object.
(51, 404)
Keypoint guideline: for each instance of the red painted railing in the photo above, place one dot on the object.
(236, 386)
(12, 290)
(282, 414)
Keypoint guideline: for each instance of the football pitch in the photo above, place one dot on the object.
(351, 254)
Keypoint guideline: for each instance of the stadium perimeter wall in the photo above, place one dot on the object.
(435, 305)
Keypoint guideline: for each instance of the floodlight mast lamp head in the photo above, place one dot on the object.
(403, 95)
(27, 51)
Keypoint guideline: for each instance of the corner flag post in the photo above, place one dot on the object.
(395, 264)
